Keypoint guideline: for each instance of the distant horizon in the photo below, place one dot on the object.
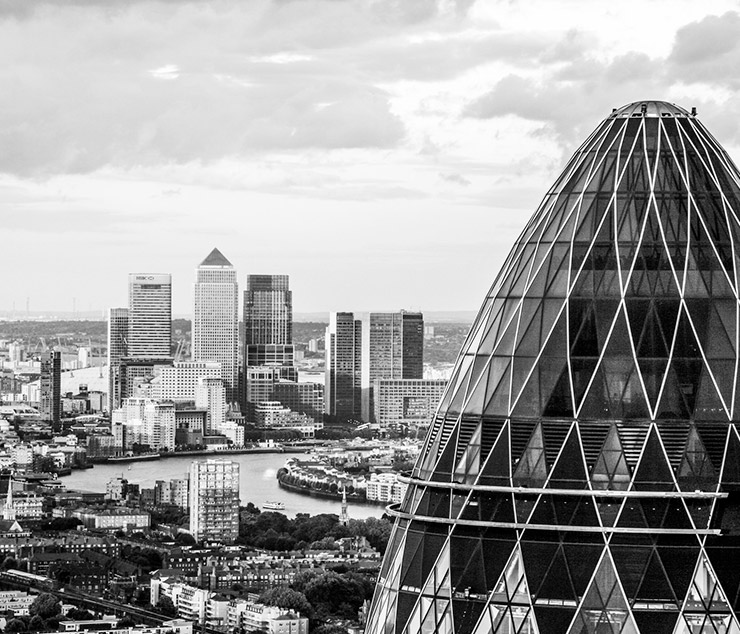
(309, 316)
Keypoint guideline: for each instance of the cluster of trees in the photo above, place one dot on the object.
(44, 615)
(322, 595)
(275, 531)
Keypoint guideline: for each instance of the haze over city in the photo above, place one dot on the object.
(400, 143)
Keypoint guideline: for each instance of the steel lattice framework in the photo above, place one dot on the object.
(582, 473)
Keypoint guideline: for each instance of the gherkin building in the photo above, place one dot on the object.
(582, 471)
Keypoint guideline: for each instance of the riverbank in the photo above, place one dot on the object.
(193, 452)
(305, 489)
(257, 482)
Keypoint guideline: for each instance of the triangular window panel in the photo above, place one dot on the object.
(498, 399)
(604, 608)
(731, 468)
(531, 470)
(512, 587)
(611, 471)
(497, 468)
(469, 464)
(569, 471)
(696, 471)
(654, 472)
(706, 601)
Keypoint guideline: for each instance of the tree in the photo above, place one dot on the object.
(126, 621)
(9, 563)
(185, 539)
(332, 594)
(15, 625)
(330, 629)
(45, 605)
(36, 623)
(76, 614)
(165, 606)
(287, 598)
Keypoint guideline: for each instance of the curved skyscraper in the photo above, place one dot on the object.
(582, 472)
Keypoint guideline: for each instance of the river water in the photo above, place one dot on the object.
(257, 482)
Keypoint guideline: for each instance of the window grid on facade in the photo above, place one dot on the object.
(582, 470)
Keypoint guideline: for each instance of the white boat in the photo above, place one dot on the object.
(274, 506)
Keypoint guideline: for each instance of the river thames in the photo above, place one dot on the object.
(257, 482)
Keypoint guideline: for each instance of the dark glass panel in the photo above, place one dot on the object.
(552, 620)
(593, 435)
(531, 469)
(632, 515)
(519, 433)
(555, 433)
(656, 622)
(404, 606)
(498, 544)
(679, 563)
(673, 404)
(709, 404)
(498, 404)
(699, 511)
(654, 472)
(731, 469)
(655, 585)
(524, 504)
(538, 557)
(557, 583)
(632, 437)
(724, 553)
(544, 512)
(630, 561)
(528, 400)
(583, 334)
(521, 369)
(596, 404)
(581, 559)
(714, 438)
(496, 469)
(688, 374)
(608, 510)
(569, 471)
(584, 513)
(560, 402)
(466, 614)
(611, 470)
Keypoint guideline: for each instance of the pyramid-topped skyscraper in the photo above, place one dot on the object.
(216, 318)
(582, 472)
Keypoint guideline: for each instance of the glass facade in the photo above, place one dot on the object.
(582, 473)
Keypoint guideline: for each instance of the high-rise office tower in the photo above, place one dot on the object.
(343, 383)
(149, 314)
(268, 321)
(582, 472)
(392, 348)
(268, 310)
(214, 500)
(117, 350)
(268, 332)
(216, 318)
(50, 387)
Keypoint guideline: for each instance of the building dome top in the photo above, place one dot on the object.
(651, 109)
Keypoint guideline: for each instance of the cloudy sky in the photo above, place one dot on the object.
(383, 153)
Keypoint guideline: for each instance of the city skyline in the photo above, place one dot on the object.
(355, 147)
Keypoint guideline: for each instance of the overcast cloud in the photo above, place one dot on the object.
(384, 153)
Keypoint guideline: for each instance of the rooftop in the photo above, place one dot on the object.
(216, 258)
(651, 109)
